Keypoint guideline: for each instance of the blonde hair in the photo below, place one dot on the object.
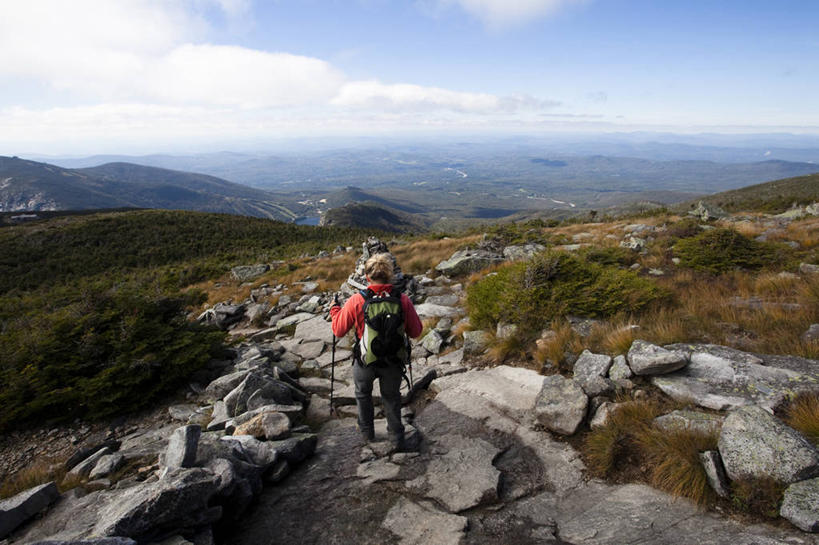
(379, 268)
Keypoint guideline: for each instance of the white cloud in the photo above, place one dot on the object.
(505, 13)
(373, 95)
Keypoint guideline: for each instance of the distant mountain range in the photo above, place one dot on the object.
(32, 186)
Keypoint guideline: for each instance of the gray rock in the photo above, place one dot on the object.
(801, 505)
(433, 342)
(293, 412)
(431, 310)
(449, 300)
(312, 304)
(755, 444)
(634, 243)
(314, 329)
(219, 416)
(309, 350)
(89, 541)
(601, 415)
(245, 273)
(812, 334)
(707, 212)
(263, 388)
(83, 469)
(525, 251)
(182, 447)
(456, 357)
(107, 465)
(341, 355)
(224, 384)
(223, 315)
(309, 287)
(446, 482)
(647, 359)
(808, 268)
(721, 379)
(561, 405)
(475, 342)
(467, 262)
(261, 453)
(142, 511)
(590, 371)
(297, 448)
(19, 508)
(705, 423)
(619, 369)
(715, 472)
(182, 412)
(505, 331)
(294, 319)
(417, 524)
(381, 469)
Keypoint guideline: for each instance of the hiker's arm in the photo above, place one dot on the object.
(344, 317)
(412, 323)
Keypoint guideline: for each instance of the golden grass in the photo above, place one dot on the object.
(501, 349)
(612, 337)
(803, 415)
(417, 257)
(553, 350)
(40, 472)
(673, 460)
(617, 440)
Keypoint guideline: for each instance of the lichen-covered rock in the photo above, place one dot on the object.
(245, 273)
(648, 359)
(705, 423)
(475, 342)
(755, 444)
(801, 505)
(590, 372)
(619, 369)
(707, 212)
(561, 405)
(432, 342)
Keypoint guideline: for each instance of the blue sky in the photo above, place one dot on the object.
(92, 76)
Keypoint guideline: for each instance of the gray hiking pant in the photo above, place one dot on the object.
(389, 380)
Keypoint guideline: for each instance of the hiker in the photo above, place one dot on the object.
(388, 367)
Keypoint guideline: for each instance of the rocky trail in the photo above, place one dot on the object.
(257, 458)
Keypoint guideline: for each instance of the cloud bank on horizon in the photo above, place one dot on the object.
(90, 73)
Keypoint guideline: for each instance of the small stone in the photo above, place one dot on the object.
(619, 369)
(561, 405)
(715, 472)
(268, 425)
(475, 342)
(647, 359)
(812, 334)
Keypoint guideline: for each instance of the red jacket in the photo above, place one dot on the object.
(352, 314)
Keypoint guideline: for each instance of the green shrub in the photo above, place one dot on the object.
(613, 255)
(722, 250)
(534, 292)
(101, 353)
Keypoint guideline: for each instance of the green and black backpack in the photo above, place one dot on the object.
(384, 341)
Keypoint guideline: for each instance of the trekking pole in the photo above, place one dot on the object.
(332, 376)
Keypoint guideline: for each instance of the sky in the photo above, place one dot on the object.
(142, 76)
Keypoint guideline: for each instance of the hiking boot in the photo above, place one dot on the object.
(367, 435)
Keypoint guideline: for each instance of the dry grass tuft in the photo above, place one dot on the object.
(613, 337)
(674, 463)
(803, 415)
(419, 256)
(553, 350)
(509, 347)
(617, 442)
(38, 473)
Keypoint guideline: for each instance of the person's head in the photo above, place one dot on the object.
(379, 268)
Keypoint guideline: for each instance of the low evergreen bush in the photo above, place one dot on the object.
(552, 284)
(721, 250)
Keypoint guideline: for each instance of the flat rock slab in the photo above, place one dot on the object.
(422, 524)
(512, 390)
(561, 405)
(294, 319)
(343, 357)
(701, 422)
(17, 509)
(649, 359)
(729, 380)
(753, 444)
(431, 310)
(309, 350)
(314, 329)
(463, 477)
(801, 505)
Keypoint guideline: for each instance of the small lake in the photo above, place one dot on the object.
(311, 220)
